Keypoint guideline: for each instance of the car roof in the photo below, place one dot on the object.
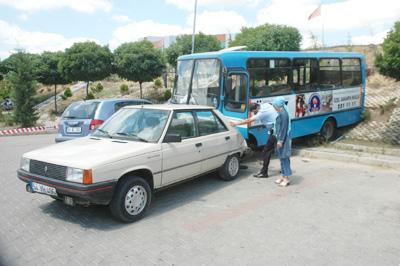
(171, 107)
(116, 100)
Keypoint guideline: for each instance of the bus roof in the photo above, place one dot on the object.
(258, 54)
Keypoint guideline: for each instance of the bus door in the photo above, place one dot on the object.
(234, 104)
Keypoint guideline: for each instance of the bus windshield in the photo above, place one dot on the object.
(203, 84)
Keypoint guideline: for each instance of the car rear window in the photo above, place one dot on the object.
(81, 110)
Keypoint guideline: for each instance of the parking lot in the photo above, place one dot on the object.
(333, 214)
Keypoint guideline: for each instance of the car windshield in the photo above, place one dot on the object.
(137, 124)
(80, 110)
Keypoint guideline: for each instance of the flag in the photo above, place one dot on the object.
(315, 13)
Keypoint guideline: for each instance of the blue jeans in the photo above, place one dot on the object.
(285, 167)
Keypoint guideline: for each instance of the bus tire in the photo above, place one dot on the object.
(328, 129)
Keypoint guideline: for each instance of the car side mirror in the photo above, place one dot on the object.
(169, 138)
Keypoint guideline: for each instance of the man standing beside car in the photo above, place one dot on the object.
(265, 115)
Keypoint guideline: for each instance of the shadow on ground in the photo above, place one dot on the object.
(100, 218)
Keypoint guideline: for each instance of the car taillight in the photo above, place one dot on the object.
(95, 123)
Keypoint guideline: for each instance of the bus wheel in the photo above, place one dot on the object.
(328, 129)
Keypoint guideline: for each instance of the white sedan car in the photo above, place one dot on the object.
(138, 151)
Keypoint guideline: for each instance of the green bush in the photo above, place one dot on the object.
(167, 95)
(388, 63)
(67, 92)
(98, 88)
(124, 89)
(90, 96)
(158, 83)
(366, 116)
(8, 119)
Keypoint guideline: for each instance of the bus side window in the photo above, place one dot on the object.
(305, 75)
(329, 73)
(351, 72)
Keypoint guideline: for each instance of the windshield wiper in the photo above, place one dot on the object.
(132, 135)
(105, 133)
(72, 117)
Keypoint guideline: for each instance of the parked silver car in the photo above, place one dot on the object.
(84, 117)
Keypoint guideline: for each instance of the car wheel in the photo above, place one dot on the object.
(131, 199)
(230, 169)
(328, 129)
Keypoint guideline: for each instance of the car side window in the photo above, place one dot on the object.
(208, 123)
(183, 123)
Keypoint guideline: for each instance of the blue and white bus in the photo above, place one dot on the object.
(324, 90)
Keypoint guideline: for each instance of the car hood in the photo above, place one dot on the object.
(89, 152)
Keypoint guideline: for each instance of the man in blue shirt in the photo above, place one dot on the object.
(264, 115)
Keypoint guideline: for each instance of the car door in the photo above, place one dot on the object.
(214, 138)
(181, 160)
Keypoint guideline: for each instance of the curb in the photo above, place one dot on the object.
(392, 162)
(26, 130)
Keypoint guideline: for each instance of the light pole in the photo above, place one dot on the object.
(194, 24)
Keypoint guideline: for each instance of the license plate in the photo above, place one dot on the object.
(74, 129)
(39, 188)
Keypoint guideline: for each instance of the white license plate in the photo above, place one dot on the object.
(74, 129)
(43, 189)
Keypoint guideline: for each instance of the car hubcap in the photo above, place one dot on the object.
(233, 166)
(135, 200)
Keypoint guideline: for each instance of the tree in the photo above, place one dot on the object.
(388, 63)
(183, 45)
(48, 72)
(86, 61)
(138, 61)
(269, 37)
(22, 78)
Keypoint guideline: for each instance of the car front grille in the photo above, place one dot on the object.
(48, 169)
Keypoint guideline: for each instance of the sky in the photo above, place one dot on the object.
(53, 25)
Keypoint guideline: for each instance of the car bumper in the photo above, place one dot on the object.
(61, 138)
(98, 193)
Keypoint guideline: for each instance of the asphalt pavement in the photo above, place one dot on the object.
(333, 213)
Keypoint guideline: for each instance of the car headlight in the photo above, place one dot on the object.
(74, 175)
(25, 162)
(79, 175)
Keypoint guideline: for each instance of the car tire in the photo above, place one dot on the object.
(328, 129)
(131, 199)
(230, 169)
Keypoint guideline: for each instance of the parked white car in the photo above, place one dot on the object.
(136, 152)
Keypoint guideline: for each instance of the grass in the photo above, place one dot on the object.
(387, 106)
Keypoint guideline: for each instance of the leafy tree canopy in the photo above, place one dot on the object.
(9, 64)
(138, 61)
(388, 63)
(269, 37)
(183, 45)
(48, 72)
(86, 61)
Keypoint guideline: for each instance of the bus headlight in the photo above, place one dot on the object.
(25, 162)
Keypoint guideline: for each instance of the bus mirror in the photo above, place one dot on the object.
(224, 70)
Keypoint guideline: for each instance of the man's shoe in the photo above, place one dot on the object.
(260, 175)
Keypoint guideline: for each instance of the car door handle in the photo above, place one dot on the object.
(199, 144)
(227, 138)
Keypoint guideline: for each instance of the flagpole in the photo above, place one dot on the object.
(194, 25)
(323, 28)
